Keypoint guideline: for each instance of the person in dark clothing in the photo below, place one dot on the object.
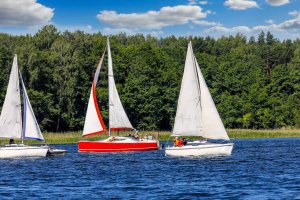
(184, 141)
(11, 141)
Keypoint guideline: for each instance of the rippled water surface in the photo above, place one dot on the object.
(257, 169)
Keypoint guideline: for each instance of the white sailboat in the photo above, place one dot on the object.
(197, 115)
(11, 120)
(118, 120)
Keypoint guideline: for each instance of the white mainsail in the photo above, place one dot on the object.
(11, 118)
(196, 112)
(93, 123)
(188, 116)
(31, 129)
(118, 119)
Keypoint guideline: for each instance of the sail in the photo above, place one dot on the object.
(11, 118)
(188, 116)
(213, 127)
(97, 73)
(31, 129)
(196, 114)
(118, 119)
(93, 123)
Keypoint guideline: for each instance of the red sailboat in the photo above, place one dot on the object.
(118, 120)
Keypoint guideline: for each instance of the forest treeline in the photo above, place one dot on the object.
(254, 82)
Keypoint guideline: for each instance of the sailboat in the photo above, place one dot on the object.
(11, 121)
(197, 115)
(118, 120)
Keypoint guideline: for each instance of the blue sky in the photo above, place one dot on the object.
(159, 18)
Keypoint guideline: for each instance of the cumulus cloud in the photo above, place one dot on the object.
(269, 21)
(241, 4)
(192, 2)
(203, 2)
(236, 29)
(291, 25)
(166, 16)
(114, 31)
(277, 2)
(294, 13)
(24, 13)
(206, 23)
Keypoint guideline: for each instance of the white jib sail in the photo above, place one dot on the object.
(93, 121)
(31, 129)
(188, 120)
(212, 127)
(118, 119)
(11, 118)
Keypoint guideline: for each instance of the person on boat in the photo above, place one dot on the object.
(184, 141)
(11, 141)
(180, 143)
(176, 142)
(136, 136)
(149, 137)
(112, 139)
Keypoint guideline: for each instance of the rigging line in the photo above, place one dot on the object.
(195, 64)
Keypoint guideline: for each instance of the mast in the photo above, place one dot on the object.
(109, 90)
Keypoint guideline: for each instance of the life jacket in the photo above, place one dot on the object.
(176, 142)
(180, 144)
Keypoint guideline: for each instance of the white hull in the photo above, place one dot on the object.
(207, 149)
(14, 151)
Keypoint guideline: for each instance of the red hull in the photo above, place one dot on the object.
(100, 146)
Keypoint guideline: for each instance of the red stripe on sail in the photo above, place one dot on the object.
(121, 129)
(98, 111)
(94, 133)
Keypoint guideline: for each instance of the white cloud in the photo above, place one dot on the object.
(269, 21)
(24, 13)
(210, 12)
(192, 2)
(236, 29)
(166, 16)
(241, 4)
(114, 31)
(277, 2)
(203, 2)
(294, 13)
(288, 26)
(206, 23)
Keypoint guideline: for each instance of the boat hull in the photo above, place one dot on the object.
(56, 152)
(207, 149)
(106, 146)
(15, 151)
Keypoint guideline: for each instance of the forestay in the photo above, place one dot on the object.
(118, 119)
(11, 118)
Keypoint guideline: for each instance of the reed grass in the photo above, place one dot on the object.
(74, 137)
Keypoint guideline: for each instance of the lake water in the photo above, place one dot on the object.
(257, 169)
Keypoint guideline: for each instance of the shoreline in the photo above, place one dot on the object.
(74, 137)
